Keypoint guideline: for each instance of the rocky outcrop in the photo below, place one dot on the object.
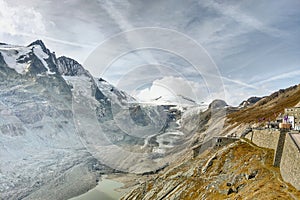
(250, 101)
(217, 104)
(70, 67)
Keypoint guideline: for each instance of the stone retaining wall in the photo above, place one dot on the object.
(264, 138)
(290, 162)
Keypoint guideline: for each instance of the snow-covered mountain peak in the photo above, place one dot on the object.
(33, 59)
(41, 44)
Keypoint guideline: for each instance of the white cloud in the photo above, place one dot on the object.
(22, 23)
(171, 88)
(20, 19)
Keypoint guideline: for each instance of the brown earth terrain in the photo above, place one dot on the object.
(238, 171)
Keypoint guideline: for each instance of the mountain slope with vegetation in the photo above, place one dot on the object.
(268, 108)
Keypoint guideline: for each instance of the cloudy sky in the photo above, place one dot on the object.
(247, 48)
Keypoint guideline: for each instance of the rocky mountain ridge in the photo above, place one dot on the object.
(60, 127)
(267, 108)
(69, 67)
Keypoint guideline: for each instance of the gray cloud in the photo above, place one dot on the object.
(253, 43)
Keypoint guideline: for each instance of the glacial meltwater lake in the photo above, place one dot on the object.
(105, 190)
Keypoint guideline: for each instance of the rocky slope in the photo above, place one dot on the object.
(237, 171)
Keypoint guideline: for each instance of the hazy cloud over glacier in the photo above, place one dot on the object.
(254, 44)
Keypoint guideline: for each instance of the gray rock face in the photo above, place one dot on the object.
(217, 104)
(250, 101)
(70, 67)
